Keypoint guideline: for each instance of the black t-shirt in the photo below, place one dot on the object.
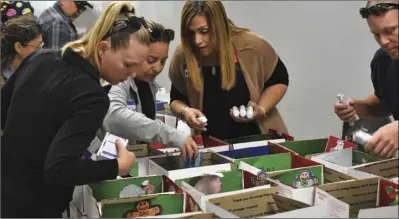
(217, 102)
(384, 75)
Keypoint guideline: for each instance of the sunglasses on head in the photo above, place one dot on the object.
(157, 34)
(134, 23)
(377, 9)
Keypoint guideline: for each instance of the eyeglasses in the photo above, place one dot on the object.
(157, 35)
(135, 23)
(36, 46)
(377, 9)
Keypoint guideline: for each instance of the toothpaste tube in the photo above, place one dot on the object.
(343, 99)
(197, 162)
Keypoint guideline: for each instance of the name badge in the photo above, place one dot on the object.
(131, 104)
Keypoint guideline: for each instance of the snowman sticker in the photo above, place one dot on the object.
(305, 179)
(339, 146)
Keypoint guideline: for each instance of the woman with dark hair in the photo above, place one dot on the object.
(132, 109)
(19, 37)
(219, 66)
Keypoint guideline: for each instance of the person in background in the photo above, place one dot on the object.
(132, 109)
(19, 37)
(57, 22)
(13, 9)
(57, 106)
(382, 19)
(218, 66)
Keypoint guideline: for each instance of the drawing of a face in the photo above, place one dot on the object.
(339, 146)
(143, 209)
(147, 187)
(304, 175)
(305, 179)
(143, 205)
(260, 179)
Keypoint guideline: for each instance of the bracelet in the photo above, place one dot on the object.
(182, 111)
(263, 111)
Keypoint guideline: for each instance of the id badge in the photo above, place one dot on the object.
(131, 104)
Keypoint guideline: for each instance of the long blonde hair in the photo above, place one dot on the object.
(87, 45)
(222, 31)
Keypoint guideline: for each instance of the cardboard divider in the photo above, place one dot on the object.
(173, 167)
(261, 202)
(346, 199)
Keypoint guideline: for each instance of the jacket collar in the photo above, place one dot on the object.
(74, 59)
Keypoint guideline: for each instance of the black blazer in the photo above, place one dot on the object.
(52, 107)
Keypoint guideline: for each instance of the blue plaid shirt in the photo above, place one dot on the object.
(56, 27)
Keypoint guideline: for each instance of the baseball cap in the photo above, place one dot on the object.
(82, 5)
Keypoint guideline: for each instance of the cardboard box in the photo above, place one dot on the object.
(231, 181)
(348, 161)
(299, 183)
(173, 167)
(107, 149)
(261, 203)
(198, 214)
(346, 199)
(143, 152)
(273, 162)
(131, 190)
(272, 135)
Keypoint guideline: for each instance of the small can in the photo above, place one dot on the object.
(361, 137)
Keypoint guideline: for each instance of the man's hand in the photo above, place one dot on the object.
(384, 142)
(345, 111)
(189, 149)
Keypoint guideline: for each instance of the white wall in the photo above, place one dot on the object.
(326, 47)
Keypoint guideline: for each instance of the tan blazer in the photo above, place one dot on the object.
(257, 59)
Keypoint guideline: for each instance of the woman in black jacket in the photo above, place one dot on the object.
(57, 106)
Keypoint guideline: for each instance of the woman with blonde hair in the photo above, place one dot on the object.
(219, 66)
(132, 109)
(57, 106)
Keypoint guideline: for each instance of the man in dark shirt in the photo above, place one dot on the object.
(382, 18)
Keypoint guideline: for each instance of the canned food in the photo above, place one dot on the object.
(361, 137)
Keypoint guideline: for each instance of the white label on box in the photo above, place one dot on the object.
(334, 207)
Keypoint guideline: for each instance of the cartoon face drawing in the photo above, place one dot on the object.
(305, 179)
(260, 180)
(393, 194)
(339, 146)
(148, 188)
(143, 209)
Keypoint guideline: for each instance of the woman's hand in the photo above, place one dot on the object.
(189, 149)
(258, 112)
(190, 115)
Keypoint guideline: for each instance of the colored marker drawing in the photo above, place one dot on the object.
(143, 209)
(305, 179)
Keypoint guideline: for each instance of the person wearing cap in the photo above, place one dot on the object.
(13, 9)
(57, 22)
(382, 19)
